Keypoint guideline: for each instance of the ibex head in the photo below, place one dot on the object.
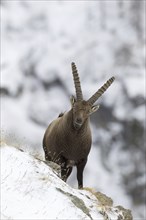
(83, 109)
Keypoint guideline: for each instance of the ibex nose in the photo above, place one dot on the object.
(79, 120)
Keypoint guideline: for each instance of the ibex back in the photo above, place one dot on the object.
(67, 140)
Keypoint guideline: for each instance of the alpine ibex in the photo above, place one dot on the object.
(67, 140)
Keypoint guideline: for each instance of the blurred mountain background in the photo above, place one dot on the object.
(39, 40)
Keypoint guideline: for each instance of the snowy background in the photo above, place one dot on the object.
(39, 40)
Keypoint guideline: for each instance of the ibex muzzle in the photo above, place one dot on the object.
(67, 140)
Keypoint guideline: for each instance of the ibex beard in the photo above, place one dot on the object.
(67, 140)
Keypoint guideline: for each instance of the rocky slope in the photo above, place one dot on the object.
(30, 189)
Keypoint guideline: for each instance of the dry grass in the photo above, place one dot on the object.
(102, 198)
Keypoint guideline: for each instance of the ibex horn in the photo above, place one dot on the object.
(77, 82)
(100, 91)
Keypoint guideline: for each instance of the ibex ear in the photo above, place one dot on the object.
(94, 108)
(72, 100)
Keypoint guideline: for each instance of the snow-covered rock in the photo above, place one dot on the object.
(30, 189)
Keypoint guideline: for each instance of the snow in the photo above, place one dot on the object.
(30, 189)
(135, 86)
(138, 113)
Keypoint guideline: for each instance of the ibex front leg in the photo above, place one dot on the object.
(80, 168)
(65, 170)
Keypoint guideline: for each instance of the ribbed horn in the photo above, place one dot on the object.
(76, 78)
(100, 91)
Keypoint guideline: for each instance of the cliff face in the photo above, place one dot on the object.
(30, 189)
